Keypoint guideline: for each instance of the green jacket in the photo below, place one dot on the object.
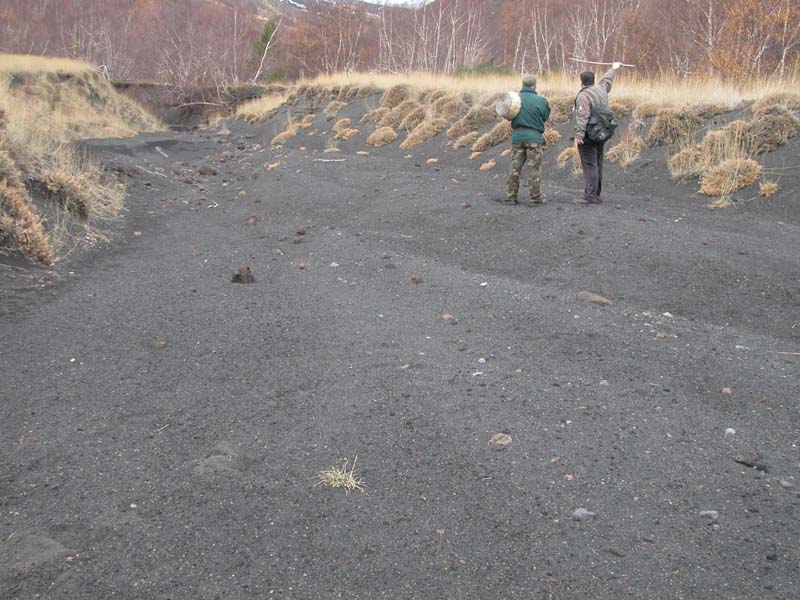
(529, 123)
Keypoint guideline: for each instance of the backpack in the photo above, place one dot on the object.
(602, 124)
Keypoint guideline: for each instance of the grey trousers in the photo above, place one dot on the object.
(592, 163)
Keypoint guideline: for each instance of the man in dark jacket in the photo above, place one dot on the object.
(591, 153)
(527, 142)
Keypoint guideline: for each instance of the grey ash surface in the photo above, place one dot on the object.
(162, 427)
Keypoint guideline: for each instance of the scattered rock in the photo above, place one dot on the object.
(751, 458)
(210, 171)
(730, 431)
(616, 552)
(712, 515)
(416, 279)
(726, 391)
(590, 297)
(500, 439)
(449, 318)
(581, 514)
(244, 275)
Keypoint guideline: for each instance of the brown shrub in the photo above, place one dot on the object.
(729, 176)
(423, 132)
(382, 136)
(432, 96)
(68, 191)
(395, 95)
(448, 107)
(334, 107)
(627, 151)
(787, 100)
(414, 118)
(308, 121)
(341, 124)
(375, 115)
(466, 140)
(284, 136)
(476, 117)
(368, 90)
(396, 115)
(673, 126)
(498, 134)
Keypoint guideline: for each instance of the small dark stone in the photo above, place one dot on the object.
(772, 557)
(243, 276)
(207, 171)
(616, 552)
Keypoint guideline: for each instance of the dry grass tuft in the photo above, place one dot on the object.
(448, 108)
(341, 124)
(490, 164)
(423, 132)
(308, 121)
(346, 134)
(466, 140)
(720, 203)
(622, 107)
(673, 127)
(261, 109)
(287, 134)
(474, 155)
(647, 109)
(382, 136)
(375, 115)
(730, 176)
(500, 133)
(627, 151)
(787, 100)
(570, 155)
(687, 164)
(414, 118)
(333, 108)
(395, 116)
(341, 478)
(561, 109)
(476, 117)
(505, 153)
(771, 127)
(395, 95)
(431, 96)
(551, 138)
(768, 188)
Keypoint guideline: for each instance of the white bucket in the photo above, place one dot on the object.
(508, 106)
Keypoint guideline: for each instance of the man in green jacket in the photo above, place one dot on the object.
(527, 142)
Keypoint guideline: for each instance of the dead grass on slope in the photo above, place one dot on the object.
(570, 156)
(468, 139)
(423, 132)
(396, 115)
(414, 118)
(382, 136)
(498, 134)
(627, 151)
(730, 176)
(673, 126)
(476, 117)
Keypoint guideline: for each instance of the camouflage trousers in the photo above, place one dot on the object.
(520, 153)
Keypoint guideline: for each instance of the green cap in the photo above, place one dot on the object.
(529, 81)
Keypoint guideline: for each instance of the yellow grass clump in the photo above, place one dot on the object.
(396, 115)
(375, 115)
(448, 108)
(730, 176)
(627, 151)
(261, 109)
(647, 109)
(423, 132)
(570, 155)
(489, 164)
(673, 126)
(787, 100)
(498, 134)
(771, 127)
(687, 164)
(346, 134)
(474, 155)
(382, 136)
(466, 140)
(505, 153)
(287, 134)
(341, 124)
(622, 107)
(395, 95)
(768, 188)
(333, 108)
(414, 118)
(561, 109)
(476, 117)
(308, 121)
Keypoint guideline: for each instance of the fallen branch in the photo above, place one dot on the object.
(786, 353)
(590, 62)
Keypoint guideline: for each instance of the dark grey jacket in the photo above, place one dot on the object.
(594, 95)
